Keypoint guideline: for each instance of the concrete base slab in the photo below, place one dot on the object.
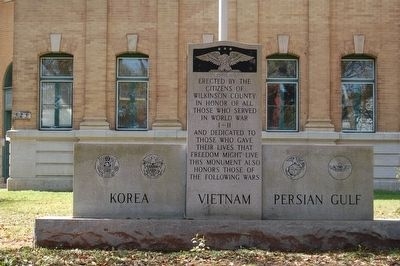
(175, 235)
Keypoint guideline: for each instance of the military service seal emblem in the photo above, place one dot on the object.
(107, 166)
(294, 167)
(340, 168)
(153, 166)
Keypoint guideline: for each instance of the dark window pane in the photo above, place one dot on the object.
(282, 98)
(58, 67)
(8, 77)
(132, 67)
(284, 68)
(357, 69)
(358, 107)
(132, 105)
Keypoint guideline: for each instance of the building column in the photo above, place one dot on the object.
(95, 66)
(319, 67)
(167, 65)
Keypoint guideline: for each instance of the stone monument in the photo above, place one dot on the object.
(224, 131)
(225, 184)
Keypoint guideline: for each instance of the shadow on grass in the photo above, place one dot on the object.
(386, 195)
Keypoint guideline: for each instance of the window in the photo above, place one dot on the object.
(358, 94)
(282, 93)
(56, 80)
(8, 89)
(7, 120)
(132, 87)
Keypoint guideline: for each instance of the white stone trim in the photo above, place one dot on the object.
(55, 42)
(283, 43)
(359, 40)
(132, 40)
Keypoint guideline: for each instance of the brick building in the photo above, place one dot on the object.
(115, 71)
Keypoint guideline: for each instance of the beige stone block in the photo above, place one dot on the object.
(129, 180)
(315, 182)
(224, 131)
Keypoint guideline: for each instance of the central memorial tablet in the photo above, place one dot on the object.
(224, 161)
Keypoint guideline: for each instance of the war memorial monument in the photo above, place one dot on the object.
(224, 183)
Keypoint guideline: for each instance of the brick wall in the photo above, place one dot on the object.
(379, 22)
(164, 29)
(6, 44)
(33, 26)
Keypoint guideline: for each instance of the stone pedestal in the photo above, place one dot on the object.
(176, 235)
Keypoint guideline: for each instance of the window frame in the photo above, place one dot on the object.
(131, 79)
(283, 80)
(360, 81)
(57, 80)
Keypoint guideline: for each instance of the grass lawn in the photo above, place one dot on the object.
(386, 205)
(18, 211)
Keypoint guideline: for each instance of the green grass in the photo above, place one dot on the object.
(18, 211)
(40, 256)
(386, 205)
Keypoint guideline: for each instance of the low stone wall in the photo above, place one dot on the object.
(175, 235)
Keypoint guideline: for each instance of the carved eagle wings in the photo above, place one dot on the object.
(224, 61)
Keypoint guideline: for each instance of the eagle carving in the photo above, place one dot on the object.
(224, 61)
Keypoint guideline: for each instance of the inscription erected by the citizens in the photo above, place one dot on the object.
(224, 131)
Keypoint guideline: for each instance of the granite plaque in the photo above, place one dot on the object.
(315, 182)
(224, 131)
(129, 180)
